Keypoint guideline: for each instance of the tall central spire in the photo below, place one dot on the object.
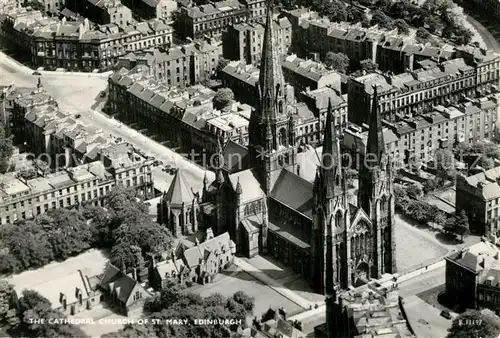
(271, 81)
(376, 144)
(332, 158)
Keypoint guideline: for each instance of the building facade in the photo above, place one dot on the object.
(197, 262)
(209, 20)
(478, 196)
(475, 74)
(243, 41)
(301, 75)
(415, 139)
(78, 46)
(472, 277)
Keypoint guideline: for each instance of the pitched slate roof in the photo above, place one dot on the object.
(295, 192)
(193, 256)
(251, 189)
(114, 280)
(179, 191)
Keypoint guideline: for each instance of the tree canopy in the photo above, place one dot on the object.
(223, 98)
(475, 323)
(5, 150)
(337, 61)
(32, 306)
(125, 224)
(172, 302)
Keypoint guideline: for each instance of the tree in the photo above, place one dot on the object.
(445, 164)
(382, 20)
(245, 300)
(355, 15)
(402, 26)
(414, 191)
(223, 98)
(28, 244)
(335, 11)
(337, 61)
(458, 225)
(384, 5)
(474, 323)
(422, 34)
(33, 306)
(6, 302)
(368, 66)
(429, 185)
(68, 232)
(5, 150)
(462, 225)
(102, 232)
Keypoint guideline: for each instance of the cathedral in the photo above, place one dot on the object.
(268, 208)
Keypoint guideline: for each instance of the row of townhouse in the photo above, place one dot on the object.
(243, 41)
(414, 139)
(63, 141)
(185, 117)
(79, 46)
(394, 52)
(213, 18)
(302, 75)
(178, 66)
(476, 73)
(188, 119)
(25, 198)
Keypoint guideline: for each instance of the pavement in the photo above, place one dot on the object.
(77, 93)
(425, 319)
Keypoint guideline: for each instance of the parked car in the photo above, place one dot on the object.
(446, 314)
(37, 73)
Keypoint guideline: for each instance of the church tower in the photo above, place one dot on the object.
(272, 129)
(331, 210)
(375, 194)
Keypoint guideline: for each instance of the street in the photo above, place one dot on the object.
(76, 93)
(489, 32)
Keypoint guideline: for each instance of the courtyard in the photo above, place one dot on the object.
(234, 279)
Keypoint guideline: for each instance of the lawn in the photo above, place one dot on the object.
(233, 280)
(415, 246)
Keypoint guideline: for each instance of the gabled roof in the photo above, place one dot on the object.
(295, 192)
(116, 281)
(179, 191)
(194, 255)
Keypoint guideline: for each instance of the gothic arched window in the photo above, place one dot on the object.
(338, 219)
(384, 207)
(282, 137)
(280, 107)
